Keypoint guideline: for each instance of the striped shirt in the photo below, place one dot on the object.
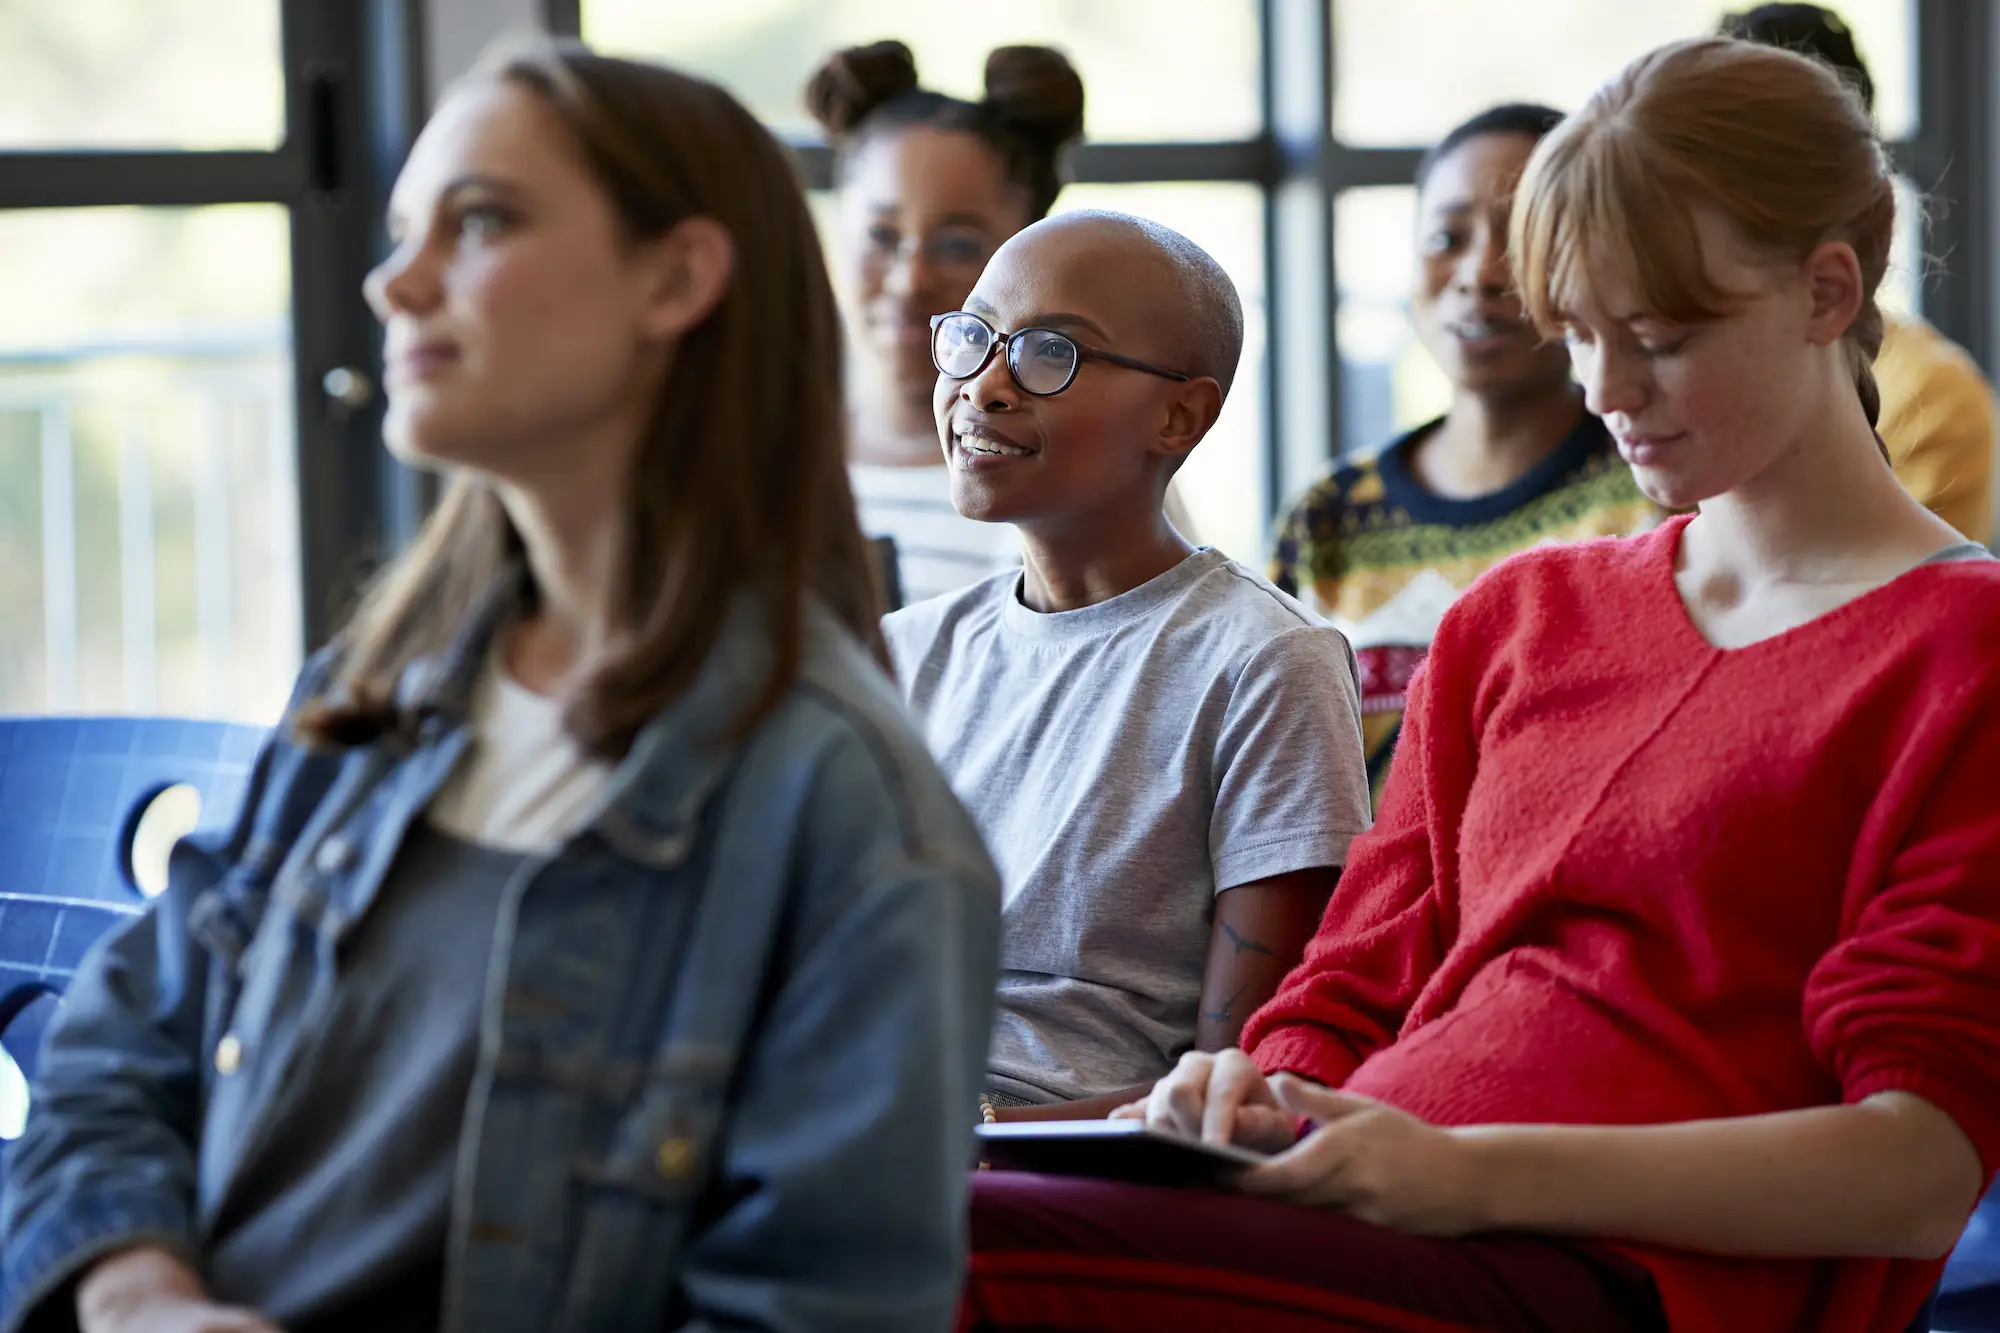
(1381, 557)
(937, 549)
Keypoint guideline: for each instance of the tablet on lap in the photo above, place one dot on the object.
(1111, 1149)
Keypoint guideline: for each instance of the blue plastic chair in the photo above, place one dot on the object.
(72, 791)
(71, 794)
(1969, 1297)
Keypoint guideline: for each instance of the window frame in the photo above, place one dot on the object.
(1302, 168)
(353, 103)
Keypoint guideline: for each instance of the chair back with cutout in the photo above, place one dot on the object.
(1968, 1299)
(74, 793)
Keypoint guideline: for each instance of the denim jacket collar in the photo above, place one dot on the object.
(681, 757)
(677, 761)
(440, 686)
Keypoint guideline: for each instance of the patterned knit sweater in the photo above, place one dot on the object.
(1381, 557)
(1621, 876)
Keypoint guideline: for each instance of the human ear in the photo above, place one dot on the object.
(1832, 276)
(1191, 410)
(688, 271)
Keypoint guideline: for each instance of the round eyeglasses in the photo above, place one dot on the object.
(1042, 361)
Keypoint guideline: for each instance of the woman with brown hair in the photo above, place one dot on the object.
(596, 947)
(1665, 991)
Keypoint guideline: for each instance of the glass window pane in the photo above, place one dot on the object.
(1222, 481)
(162, 74)
(1407, 72)
(1388, 382)
(1909, 262)
(1139, 58)
(149, 543)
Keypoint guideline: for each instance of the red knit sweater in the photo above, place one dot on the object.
(1623, 877)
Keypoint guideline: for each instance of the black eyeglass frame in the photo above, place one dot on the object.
(997, 340)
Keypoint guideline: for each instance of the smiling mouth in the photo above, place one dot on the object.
(986, 446)
(1477, 330)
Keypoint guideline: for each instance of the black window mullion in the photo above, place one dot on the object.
(1360, 168)
(1950, 162)
(1236, 160)
(354, 106)
(1271, 461)
(165, 179)
(564, 18)
(1300, 275)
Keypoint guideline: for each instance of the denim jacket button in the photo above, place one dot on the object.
(228, 1054)
(335, 855)
(675, 1156)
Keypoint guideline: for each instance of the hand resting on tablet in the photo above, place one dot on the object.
(1217, 1097)
(1362, 1157)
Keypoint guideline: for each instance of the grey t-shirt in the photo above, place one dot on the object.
(1125, 763)
(339, 1218)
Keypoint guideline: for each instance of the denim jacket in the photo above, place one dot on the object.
(731, 1042)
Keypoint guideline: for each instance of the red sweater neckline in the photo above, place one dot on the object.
(1665, 555)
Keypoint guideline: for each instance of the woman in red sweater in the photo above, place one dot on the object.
(1666, 991)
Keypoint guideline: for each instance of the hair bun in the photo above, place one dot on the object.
(853, 82)
(1037, 91)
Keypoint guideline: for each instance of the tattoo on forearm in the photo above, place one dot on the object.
(1244, 946)
(1222, 1015)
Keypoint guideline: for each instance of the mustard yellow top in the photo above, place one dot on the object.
(1938, 419)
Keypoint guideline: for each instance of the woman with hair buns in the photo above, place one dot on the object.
(929, 186)
(1665, 991)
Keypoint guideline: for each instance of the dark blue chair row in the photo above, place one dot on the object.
(1968, 1299)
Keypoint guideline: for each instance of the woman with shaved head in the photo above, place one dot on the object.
(1161, 749)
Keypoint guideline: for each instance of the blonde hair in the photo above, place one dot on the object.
(1771, 141)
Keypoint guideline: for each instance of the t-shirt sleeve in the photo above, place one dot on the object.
(1909, 998)
(1291, 786)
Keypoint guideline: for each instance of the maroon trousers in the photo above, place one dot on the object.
(1067, 1254)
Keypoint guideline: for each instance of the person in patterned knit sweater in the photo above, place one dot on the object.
(1383, 545)
(1665, 991)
